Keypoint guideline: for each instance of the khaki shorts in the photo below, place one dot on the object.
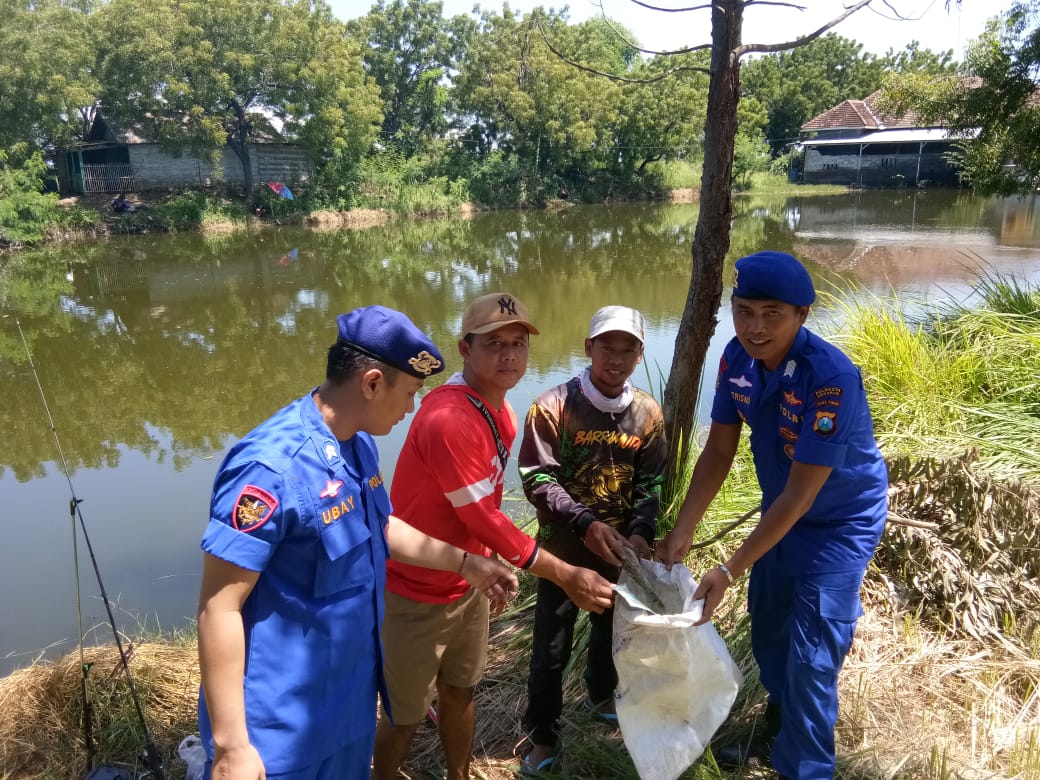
(423, 642)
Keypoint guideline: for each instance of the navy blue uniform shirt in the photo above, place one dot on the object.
(812, 409)
(309, 513)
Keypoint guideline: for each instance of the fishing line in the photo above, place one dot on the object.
(151, 752)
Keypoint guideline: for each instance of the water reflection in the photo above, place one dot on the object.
(156, 352)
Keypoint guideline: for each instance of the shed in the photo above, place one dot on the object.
(125, 160)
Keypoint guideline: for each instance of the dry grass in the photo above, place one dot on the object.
(685, 195)
(915, 704)
(335, 220)
(913, 701)
(41, 735)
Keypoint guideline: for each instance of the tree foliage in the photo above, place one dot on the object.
(796, 85)
(993, 104)
(536, 127)
(48, 87)
(550, 123)
(205, 73)
(24, 209)
(411, 50)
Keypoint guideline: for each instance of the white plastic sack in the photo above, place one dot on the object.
(676, 681)
(193, 754)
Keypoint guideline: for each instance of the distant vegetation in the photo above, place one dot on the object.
(402, 109)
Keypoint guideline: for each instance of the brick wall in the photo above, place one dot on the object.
(155, 169)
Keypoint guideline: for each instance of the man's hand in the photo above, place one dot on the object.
(241, 763)
(673, 548)
(640, 546)
(492, 578)
(588, 590)
(605, 541)
(711, 588)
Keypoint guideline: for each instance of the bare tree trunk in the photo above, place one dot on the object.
(711, 239)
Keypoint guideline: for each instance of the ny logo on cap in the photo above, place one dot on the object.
(506, 306)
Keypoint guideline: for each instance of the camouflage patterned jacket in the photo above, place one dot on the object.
(579, 464)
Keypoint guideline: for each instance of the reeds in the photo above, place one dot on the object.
(955, 379)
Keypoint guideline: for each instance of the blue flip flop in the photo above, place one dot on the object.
(597, 710)
(527, 769)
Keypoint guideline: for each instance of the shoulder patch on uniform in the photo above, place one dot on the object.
(825, 423)
(331, 451)
(253, 508)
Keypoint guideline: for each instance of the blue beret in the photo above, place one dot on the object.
(773, 276)
(392, 338)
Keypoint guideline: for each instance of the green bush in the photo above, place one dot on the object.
(190, 210)
(750, 156)
(183, 212)
(408, 186)
(25, 210)
(77, 218)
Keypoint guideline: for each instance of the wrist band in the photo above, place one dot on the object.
(725, 570)
(465, 555)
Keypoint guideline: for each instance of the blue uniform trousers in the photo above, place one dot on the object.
(801, 630)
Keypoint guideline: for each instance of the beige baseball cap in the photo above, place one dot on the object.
(493, 311)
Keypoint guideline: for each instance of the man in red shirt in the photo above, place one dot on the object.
(448, 483)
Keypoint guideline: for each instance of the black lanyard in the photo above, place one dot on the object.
(503, 452)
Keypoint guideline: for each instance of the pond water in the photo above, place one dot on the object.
(155, 353)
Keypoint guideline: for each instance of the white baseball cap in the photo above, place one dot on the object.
(619, 318)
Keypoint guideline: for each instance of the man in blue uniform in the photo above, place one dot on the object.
(295, 563)
(824, 503)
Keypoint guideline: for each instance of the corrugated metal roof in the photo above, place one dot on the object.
(910, 135)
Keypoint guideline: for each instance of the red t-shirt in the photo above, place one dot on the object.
(448, 484)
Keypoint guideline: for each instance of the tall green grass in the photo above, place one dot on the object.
(679, 174)
(955, 378)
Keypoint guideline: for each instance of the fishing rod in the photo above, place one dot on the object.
(152, 756)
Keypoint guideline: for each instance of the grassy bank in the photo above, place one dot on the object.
(943, 681)
(381, 199)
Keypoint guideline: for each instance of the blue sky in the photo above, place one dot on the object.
(931, 24)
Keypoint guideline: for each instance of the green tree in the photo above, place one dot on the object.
(992, 105)
(914, 59)
(411, 49)
(48, 89)
(660, 121)
(208, 73)
(799, 84)
(551, 126)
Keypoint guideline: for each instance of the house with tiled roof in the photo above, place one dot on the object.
(858, 143)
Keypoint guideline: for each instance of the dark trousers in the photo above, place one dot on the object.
(554, 619)
(801, 629)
